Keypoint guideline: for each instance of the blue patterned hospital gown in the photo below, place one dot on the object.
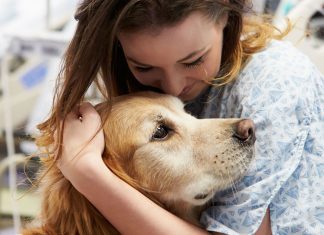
(282, 91)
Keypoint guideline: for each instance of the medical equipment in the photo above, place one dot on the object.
(20, 40)
(25, 85)
(299, 16)
(27, 81)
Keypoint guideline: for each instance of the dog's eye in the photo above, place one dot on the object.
(161, 132)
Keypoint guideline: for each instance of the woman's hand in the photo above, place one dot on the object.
(83, 143)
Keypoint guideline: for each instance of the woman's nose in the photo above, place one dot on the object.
(173, 83)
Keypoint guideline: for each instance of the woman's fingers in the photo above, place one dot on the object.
(82, 130)
(83, 140)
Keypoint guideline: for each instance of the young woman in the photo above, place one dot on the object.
(223, 63)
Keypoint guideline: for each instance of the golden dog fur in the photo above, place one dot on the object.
(154, 145)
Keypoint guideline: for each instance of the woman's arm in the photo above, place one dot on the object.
(126, 208)
(265, 226)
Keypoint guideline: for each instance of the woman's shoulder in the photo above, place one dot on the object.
(278, 76)
(278, 49)
(280, 64)
(277, 59)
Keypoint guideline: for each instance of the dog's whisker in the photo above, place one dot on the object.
(234, 190)
(231, 184)
(254, 165)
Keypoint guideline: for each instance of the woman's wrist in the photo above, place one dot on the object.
(86, 170)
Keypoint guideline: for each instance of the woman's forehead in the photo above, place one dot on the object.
(194, 33)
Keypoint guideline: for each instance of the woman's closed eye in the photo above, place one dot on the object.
(143, 69)
(195, 63)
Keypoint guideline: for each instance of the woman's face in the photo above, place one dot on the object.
(177, 60)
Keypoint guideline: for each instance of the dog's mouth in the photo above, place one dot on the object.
(204, 196)
(201, 196)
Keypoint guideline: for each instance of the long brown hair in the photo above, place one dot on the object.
(94, 53)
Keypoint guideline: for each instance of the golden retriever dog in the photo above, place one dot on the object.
(176, 160)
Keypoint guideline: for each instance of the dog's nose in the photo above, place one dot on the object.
(244, 131)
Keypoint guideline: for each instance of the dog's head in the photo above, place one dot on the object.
(153, 144)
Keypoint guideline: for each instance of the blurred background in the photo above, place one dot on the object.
(33, 37)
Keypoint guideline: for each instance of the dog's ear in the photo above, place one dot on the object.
(112, 161)
(101, 107)
(104, 109)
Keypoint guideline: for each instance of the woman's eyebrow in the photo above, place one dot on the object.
(138, 63)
